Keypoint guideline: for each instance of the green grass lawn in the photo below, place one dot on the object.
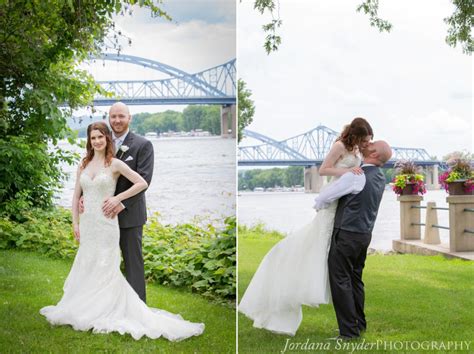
(29, 281)
(408, 298)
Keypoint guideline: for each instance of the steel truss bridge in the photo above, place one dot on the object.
(216, 85)
(310, 149)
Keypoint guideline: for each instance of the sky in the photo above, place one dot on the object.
(201, 35)
(332, 66)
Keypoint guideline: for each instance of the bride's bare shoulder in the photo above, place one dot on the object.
(116, 164)
(338, 148)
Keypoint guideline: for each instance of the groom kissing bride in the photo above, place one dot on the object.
(325, 258)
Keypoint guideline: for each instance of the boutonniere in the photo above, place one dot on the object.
(123, 149)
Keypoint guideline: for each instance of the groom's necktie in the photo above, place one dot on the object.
(117, 144)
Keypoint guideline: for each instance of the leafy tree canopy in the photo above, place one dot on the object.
(41, 45)
(246, 107)
(459, 31)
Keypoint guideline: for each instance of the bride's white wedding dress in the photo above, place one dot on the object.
(96, 294)
(294, 273)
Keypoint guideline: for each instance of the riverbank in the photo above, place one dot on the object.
(409, 298)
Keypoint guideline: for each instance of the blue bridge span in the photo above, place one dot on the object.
(310, 148)
(216, 85)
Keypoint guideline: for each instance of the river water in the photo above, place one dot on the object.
(288, 211)
(194, 179)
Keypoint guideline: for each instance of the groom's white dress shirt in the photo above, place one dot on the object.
(118, 141)
(348, 183)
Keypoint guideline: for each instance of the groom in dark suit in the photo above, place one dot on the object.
(137, 153)
(353, 225)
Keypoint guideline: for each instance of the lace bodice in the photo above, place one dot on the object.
(96, 294)
(97, 189)
(348, 161)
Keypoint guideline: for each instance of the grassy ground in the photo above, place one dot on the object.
(29, 281)
(408, 298)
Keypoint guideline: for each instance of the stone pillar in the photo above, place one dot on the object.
(313, 181)
(431, 233)
(432, 177)
(461, 220)
(436, 184)
(429, 177)
(307, 179)
(233, 113)
(225, 112)
(408, 216)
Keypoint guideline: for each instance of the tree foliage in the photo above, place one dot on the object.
(459, 31)
(460, 25)
(41, 45)
(272, 39)
(371, 8)
(273, 177)
(246, 107)
(463, 155)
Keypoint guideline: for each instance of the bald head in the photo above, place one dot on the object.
(377, 153)
(119, 118)
(119, 106)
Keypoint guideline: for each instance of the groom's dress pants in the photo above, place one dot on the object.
(131, 246)
(345, 263)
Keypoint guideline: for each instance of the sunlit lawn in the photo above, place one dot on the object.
(408, 298)
(29, 281)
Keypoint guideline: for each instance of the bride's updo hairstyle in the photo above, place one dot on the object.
(353, 134)
(109, 148)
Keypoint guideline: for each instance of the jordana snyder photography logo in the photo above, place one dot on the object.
(385, 345)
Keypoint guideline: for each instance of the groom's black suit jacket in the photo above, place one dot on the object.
(140, 158)
(357, 212)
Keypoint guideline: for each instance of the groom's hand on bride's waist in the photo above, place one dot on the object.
(112, 213)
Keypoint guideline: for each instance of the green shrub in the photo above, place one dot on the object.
(185, 255)
(190, 256)
(30, 174)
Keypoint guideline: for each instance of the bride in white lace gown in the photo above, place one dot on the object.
(96, 294)
(295, 272)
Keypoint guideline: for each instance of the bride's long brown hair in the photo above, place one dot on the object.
(353, 134)
(109, 148)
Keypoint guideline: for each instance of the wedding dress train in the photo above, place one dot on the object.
(293, 273)
(96, 294)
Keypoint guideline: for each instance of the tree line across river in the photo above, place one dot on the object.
(206, 118)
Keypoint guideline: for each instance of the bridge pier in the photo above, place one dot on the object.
(228, 115)
(431, 174)
(313, 181)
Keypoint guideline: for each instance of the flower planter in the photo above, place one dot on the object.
(458, 188)
(408, 189)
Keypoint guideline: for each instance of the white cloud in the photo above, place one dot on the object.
(332, 66)
(192, 42)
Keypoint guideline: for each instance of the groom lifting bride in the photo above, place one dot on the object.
(327, 256)
(360, 197)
